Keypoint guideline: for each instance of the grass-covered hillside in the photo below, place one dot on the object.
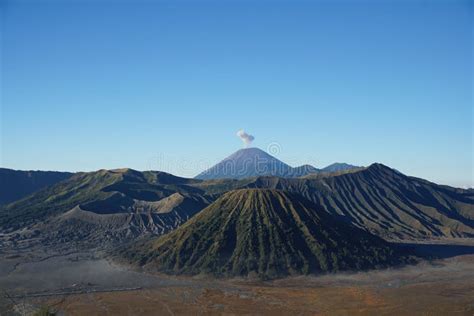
(266, 233)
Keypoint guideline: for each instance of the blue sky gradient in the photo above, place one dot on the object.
(166, 84)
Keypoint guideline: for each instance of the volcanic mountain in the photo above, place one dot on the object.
(102, 208)
(266, 233)
(253, 162)
(378, 199)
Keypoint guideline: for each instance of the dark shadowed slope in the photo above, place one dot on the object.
(16, 184)
(380, 200)
(267, 233)
(252, 162)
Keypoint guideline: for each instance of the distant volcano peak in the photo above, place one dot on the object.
(252, 162)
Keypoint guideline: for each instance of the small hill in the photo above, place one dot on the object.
(253, 162)
(177, 202)
(304, 170)
(265, 233)
(338, 167)
(17, 184)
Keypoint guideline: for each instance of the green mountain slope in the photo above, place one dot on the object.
(267, 233)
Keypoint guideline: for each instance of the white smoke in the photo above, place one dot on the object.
(246, 138)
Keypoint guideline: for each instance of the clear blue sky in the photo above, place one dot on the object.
(167, 84)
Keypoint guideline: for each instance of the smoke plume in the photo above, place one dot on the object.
(246, 138)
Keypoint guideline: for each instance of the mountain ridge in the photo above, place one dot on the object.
(379, 199)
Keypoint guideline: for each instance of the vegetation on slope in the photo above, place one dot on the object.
(267, 233)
